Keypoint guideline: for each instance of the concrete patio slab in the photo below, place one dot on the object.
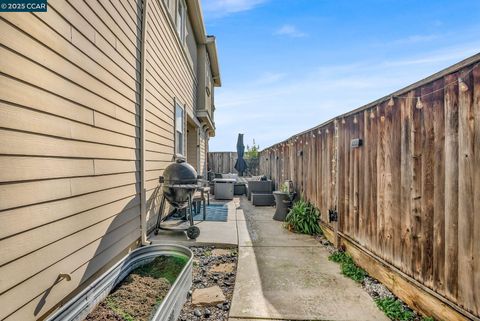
(287, 276)
(221, 234)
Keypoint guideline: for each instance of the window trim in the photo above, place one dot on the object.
(177, 152)
(181, 26)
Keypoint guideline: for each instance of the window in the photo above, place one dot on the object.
(181, 19)
(179, 129)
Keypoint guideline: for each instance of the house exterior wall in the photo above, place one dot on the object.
(192, 146)
(70, 141)
(203, 145)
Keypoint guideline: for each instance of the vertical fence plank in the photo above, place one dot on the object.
(465, 192)
(451, 187)
(439, 188)
(476, 195)
(428, 138)
(406, 106)
(381, 183)
(417, 190)
(348, 181)
(373, 180)
(365, 187)
(341, 176)
(395, 163)
(358, 176)
(388, 181)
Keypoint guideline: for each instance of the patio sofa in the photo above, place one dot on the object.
(260, 192)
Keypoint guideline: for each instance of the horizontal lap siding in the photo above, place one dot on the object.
(169, 78)
(203, 154)
(69, 148)
(410, 193)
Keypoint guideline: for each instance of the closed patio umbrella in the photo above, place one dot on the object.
(240, 165)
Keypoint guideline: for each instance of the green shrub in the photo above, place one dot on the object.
(348, 266)
(303, 218)
(394, 309)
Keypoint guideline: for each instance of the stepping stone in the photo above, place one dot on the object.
(223, 268)
(220, 252)
(208, 296)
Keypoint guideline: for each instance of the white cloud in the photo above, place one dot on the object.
(268, 78)
(290, 31)
(220, 8)
(414, 39)
(272, 112)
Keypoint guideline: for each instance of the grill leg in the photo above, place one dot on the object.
(190, 206)
(204, 210)
(160, 214)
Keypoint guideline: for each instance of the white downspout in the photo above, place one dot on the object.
(143, 192)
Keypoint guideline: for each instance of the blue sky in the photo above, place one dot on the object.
(288, 65)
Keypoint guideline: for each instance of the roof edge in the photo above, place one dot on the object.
(214, 65)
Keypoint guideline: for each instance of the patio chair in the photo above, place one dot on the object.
(201, 198)
(261, 193)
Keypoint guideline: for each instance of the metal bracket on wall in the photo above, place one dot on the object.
(356, 143)
(332, 216)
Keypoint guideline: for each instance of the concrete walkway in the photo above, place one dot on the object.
(287, 276)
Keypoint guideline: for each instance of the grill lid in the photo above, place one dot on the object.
(179, 173)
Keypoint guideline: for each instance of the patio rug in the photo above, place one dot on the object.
(215, 213)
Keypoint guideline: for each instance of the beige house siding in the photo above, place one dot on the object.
(69, 149)
(170, 78)
(70, 141)
(192, 146)
(203, 153)
(191, 46)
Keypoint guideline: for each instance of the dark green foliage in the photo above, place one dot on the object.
(168, 267)
(394, 309)
(303, 218)
(348, 266)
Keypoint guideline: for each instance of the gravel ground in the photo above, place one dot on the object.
(205, 260)
(372, 286)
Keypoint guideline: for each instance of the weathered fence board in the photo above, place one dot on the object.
(224, 162)
(411, 193)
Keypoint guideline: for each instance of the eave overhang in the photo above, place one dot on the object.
(207, 122)
(198, 26)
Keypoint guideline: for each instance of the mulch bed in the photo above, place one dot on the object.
(137, 296)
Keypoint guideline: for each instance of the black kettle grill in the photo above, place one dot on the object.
(180, 181)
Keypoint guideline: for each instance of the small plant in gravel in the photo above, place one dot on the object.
(303, 218)
(348, 266)
(394, 309)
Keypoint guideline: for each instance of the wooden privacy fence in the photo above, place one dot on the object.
(408, 198)
(224, 162)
